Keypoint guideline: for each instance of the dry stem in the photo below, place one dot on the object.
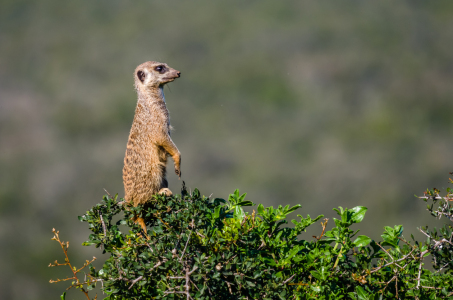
(74, 270)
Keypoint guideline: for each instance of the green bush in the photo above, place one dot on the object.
(202, 248)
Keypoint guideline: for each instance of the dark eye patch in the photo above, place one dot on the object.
(141, 76)
(160, 69)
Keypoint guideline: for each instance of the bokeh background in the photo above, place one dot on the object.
(326, 104)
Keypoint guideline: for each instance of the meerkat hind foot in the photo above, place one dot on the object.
(166, 192)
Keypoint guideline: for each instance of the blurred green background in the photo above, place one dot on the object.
(325, 104)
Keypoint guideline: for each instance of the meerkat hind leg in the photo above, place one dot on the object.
(166, 192)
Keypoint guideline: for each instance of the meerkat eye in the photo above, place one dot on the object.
(160, 69)
(141, 76)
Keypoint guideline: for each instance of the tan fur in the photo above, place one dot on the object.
(149, 142)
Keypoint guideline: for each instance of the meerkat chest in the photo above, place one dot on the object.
(153, 116)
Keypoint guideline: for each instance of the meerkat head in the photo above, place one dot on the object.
(154, 74)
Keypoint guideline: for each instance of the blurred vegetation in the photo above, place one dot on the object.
(325, 104)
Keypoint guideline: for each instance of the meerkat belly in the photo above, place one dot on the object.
(154, 163)
(145, 163)
(155, 160)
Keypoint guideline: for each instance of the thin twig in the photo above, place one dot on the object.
(135, 280)
(103, 224)
(229, 287)
(188, 239)
(442, 267)
(108, 193)
(338, 257)
(187, 281)
(388, 283)
(419, 271)
(385, 251)
(194, 285)
(74, 271)
(289, 279)
(436, 198)
(324, 225)
(437, 243)
(390, 263)
(146, 243)
(155, 266)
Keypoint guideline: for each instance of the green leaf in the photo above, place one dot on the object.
(246, 203)
(315, 288)
(338, 212)
(361, 241)
(362, 294)
(260, 209)
(217, 201)
(338, 223)
(292, 209)
(241, 198)
(358, 213)
(268, 261)
(63, 296)
(89, 243)
(216, 212)
(292, 252)
(239, 213)
(391, 236)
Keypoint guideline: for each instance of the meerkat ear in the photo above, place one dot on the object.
(141, 76)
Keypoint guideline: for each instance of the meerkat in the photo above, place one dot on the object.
(149, 144)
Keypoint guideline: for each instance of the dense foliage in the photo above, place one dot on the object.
(202, 248)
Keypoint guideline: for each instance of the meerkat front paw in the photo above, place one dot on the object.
(178, 171)
(166, 192)
(177, 160)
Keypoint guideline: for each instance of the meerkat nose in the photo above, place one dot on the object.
(178, 74)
